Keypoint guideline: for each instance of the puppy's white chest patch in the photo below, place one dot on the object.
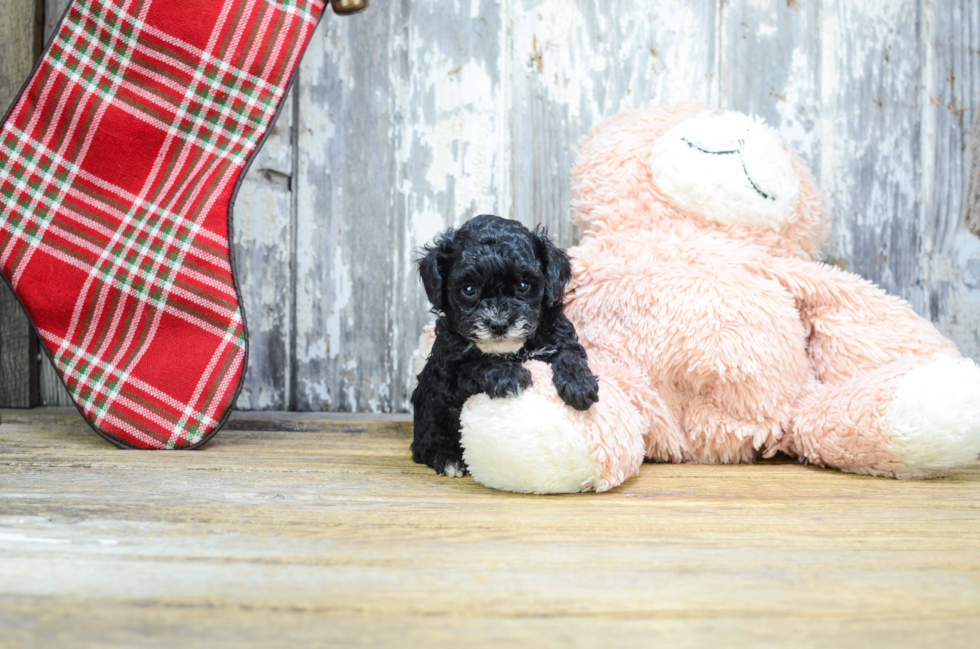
(503, 346)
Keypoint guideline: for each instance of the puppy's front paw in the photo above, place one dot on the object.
(506, 380)
(444, 459)
(454, 469)
(579, 390)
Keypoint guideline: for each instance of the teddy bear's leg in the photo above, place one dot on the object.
(718, 435)
(890, 395)
(912, 418)
(535, 443)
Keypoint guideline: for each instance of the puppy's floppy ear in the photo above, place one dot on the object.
(434, 268)
(555, 264)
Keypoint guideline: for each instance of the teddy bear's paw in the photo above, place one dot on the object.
(421, 354)
(933, 423)
(528, 444)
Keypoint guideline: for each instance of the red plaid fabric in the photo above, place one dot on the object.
(118, 165)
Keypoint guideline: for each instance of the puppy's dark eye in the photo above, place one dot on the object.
(523, 287)
(469, 290)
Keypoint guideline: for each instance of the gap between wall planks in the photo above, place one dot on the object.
(20, 36)
(973, 189)
(415, 116)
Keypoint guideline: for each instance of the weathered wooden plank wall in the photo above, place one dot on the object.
(25, 379)
(418, 115)
(20, 38)
(973, 189)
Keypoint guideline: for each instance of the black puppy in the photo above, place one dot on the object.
(497, 290)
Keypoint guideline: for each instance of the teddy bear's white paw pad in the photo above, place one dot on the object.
(934, 421)
(527, 444)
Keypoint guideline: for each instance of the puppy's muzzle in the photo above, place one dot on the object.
(497, 335)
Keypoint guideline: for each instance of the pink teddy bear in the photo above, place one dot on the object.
(716, 334)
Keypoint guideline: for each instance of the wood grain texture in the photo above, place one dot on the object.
(53, 12)
(262, 227)
(870, 86)
(414, 116)
(973, 192)
(332, 536)
(20, 24)
(948, 254)
(574, 63)
(769, 65)
(343, 241)
(20, 35)
(18, 354)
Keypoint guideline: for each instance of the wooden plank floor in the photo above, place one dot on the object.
(328, 535)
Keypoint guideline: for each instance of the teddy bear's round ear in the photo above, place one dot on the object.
(727, 167)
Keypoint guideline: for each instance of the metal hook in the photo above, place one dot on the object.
(344, 7)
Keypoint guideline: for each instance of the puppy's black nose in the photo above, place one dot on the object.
(499, 326)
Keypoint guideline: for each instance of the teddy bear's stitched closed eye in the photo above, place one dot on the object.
(737, 153)
(728, 168)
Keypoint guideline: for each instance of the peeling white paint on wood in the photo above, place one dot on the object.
(973, 192)
(262, 228)
(417, 115)
(574, 63)
(948, 253)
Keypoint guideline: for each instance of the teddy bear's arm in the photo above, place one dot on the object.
(892, 396)
(853, 325)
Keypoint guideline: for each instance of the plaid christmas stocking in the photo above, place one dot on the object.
(119, 163)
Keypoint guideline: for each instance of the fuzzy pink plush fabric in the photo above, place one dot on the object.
(717, 336)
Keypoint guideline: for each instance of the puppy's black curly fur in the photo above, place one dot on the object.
(497, 289)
